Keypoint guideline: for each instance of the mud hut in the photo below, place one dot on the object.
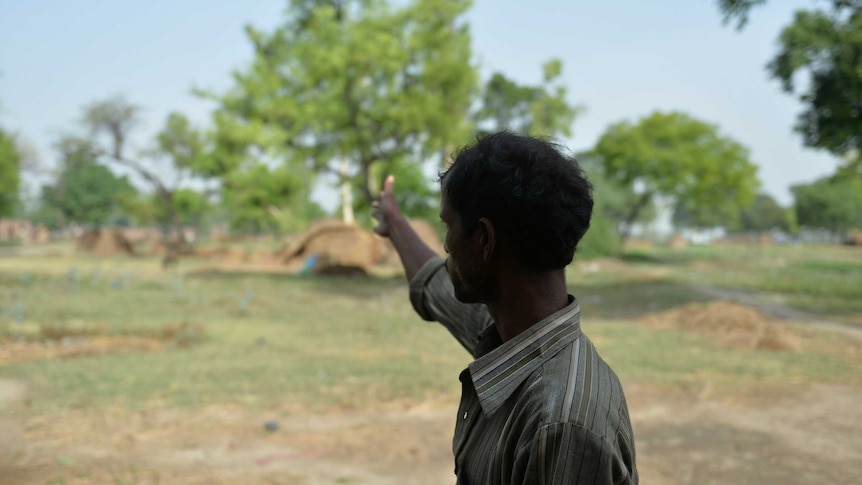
(333, 247)
(426, 232)
(105, 242)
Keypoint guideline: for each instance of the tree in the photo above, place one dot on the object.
(10, 168)
(825, 45)
(612, 202)
(84, 192)
(343, 86)
(261, 198)
(675, 155)
(828, 47)
(179, 151)
(542, 110)
(738, 10)
(766, 214)
(830, 203)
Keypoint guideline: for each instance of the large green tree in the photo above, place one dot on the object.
(84, 191)
(10, 169)
(823, 48)
(831, 203)
(675, 155)
(344, 86)
(179, 153)
(766, 214)
(542, 109)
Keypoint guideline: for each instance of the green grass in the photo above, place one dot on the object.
(670, 357)
(825, 280)
(274, 340)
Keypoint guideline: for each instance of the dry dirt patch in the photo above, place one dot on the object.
(731, 324)
(788, 435)
(61, 342)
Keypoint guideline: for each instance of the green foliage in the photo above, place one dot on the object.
(834, 204)
(261, 198)
(357, 80)
(539, 110)
(613, 200)
(417, 194)
(601, 240)
(737, 10)
(89, 195)
(182, 143)
(675, 155)
(826, 45)
(691, 215)
(765, 214)
(10, 168)
(84, 191)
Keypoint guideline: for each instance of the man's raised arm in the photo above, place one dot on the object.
(392, 224)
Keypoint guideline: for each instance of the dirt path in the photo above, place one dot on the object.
(783, 436)
(793, 435)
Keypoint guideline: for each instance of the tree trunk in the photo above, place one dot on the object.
(346, 194)
(174, 239)
(633, 214)
(366, 183)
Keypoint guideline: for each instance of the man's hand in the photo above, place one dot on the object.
(386, 209)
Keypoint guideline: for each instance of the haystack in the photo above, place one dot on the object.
(337, 247)
(729, 325)
(388, 255)
(105, 242)
(854, 239)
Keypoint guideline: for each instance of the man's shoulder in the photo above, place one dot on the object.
(577, 386)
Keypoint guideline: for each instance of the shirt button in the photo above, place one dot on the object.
(465, 415)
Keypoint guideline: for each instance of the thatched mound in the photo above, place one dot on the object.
(105, 242)
(731, 324)
(338, 248)
(388, 255)
(854, 239)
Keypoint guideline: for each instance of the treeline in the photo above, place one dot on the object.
(350, 91)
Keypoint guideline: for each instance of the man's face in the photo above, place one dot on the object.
(464, 262)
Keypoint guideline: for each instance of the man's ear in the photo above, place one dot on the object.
(487, 238)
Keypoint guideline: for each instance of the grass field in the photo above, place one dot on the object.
(281, 346)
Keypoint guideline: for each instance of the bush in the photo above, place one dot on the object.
(600, 241)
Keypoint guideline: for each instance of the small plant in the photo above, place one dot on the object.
(183, 335)
(245, 302)
(18, 312)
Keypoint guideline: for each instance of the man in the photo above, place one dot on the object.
(538, 405)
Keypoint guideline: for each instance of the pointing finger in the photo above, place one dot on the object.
(389, 184)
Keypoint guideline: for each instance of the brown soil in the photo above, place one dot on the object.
(731, 324)
(13, 352)
(69, 343)
(791, 435)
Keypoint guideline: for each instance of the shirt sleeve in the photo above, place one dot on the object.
(433, 298)
(564, 453)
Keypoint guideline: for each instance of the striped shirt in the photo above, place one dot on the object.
(541, 408)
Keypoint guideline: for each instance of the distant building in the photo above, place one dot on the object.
(23, 231)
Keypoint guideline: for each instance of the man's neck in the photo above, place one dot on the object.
(526, 300)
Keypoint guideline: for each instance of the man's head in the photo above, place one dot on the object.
(536, 198)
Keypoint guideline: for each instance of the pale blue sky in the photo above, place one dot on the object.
(623, 59)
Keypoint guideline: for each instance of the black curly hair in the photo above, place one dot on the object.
(534, 194)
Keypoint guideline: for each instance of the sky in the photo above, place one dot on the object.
(623, 59)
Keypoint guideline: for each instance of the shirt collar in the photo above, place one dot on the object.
(499, 372)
